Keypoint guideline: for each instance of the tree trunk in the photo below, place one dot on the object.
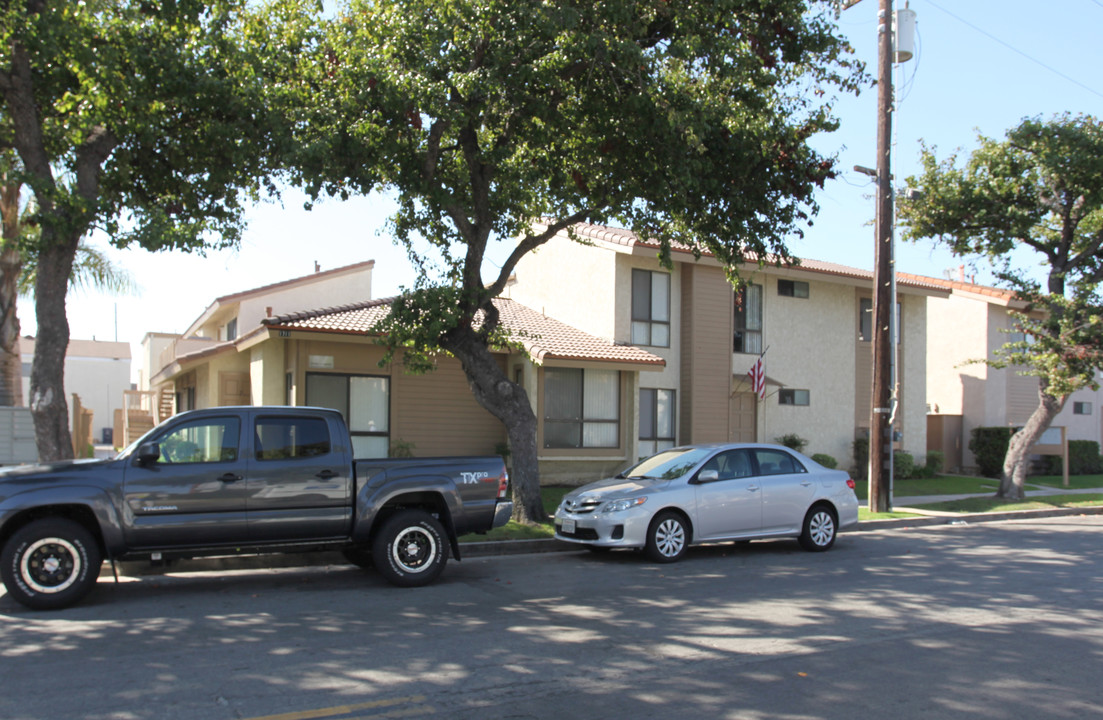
(508, 402)
(47, 396)
(11, 266)
(1015, 462)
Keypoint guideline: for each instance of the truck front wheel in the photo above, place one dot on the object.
(410, 549)
(50, 563)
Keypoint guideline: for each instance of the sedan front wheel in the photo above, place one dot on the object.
(667, 537)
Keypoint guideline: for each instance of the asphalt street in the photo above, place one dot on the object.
(992, 620)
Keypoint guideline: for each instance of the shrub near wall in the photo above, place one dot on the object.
(1084, 459)
(989, 445)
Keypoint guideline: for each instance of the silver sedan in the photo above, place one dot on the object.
(711, 493)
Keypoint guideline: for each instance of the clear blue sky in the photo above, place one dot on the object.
(980, 65)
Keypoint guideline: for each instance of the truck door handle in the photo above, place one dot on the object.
(326, 474)
(229, 477)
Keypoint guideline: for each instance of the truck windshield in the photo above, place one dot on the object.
(668, 464)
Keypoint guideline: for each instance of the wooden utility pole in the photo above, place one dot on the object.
(880, 430)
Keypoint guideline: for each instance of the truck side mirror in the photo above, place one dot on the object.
(149, 453)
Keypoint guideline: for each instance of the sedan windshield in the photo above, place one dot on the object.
(668, 464)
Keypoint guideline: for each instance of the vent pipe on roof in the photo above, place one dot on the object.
(268, 311)
(317, 267)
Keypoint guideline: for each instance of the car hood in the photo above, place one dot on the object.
(616, 488)
(51, 471)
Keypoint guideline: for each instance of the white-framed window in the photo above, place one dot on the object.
(650, 308)
(581, 408)
(656, 421)
(748, 320)
(791, 396)
(1081, 408)
(231, 330)
(365, 403)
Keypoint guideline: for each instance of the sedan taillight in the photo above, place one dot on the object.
(850, 483)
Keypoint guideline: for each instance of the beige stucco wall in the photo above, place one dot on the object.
(571, 282)
(267, 372)
(810, 345)
(958, 331)
(913, 375)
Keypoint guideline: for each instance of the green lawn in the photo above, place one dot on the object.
(991, 504)
(1075, 481)
(941, 485)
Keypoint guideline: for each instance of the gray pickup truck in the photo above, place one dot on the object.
(236, 480)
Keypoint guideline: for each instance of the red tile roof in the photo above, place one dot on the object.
(542, 337)
(627, 238)
(993, 292)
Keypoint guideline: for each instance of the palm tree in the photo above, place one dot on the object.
(18, 269)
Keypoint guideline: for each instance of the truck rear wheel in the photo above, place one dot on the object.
(410, 549)
(50, 563)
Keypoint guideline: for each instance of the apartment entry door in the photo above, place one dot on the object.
(743, 417)
(233, 388)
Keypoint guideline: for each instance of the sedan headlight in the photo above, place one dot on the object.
(622, 504)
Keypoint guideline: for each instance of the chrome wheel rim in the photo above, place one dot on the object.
(821, 528)
(50, 565)
(670, 537)
(414, 549)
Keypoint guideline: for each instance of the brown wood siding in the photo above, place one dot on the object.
(438, 413)
(706, 336)
(1022, 396)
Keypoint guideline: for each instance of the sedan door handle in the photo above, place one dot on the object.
(229, 477)
(326, 474)
(752, 488)
(805, 483)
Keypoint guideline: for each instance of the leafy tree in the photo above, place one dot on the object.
(687, 122)
(1039, 189)
(139, 118)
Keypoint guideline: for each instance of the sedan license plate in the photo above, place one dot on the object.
(568, 526)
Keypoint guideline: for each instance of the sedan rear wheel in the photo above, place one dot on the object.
(667, 537)
(818, 532)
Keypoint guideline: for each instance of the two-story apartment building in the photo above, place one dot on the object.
(811, 324)
(620, 357)
(965, 328)
(582, 387)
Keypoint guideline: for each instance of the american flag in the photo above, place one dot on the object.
(758, 378)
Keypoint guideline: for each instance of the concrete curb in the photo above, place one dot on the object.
(498, 548)
(970, 518)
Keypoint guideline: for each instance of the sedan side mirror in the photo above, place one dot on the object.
(149, 453)
(705, 476)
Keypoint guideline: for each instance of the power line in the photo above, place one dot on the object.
(1017, 50)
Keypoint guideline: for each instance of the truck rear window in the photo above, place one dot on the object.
(284, 438)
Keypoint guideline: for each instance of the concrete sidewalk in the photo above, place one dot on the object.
(905, 504)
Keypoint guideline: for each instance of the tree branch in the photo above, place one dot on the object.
(530, 243)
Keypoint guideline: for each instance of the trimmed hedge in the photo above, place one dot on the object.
(1084, 459)
(989, 445)
(903, 465)
(826, 460)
